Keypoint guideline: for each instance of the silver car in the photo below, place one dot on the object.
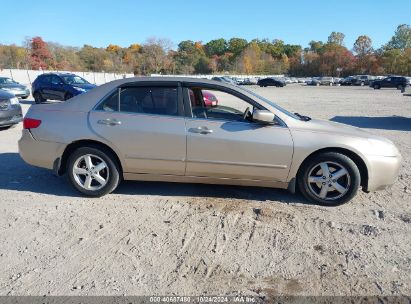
(15, 88)
(160, 129)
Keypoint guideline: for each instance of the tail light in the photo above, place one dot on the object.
(31, 123)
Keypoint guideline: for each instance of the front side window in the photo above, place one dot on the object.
(215, 104)
(74, 79)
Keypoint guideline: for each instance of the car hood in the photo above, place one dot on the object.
(86, 86)
(5, 94)
(325, 126)
(12, 86)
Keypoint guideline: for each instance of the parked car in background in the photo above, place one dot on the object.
(269, 81)
(210, 100)
(362, 80)
(398, 82)
(347, 81)
(59, 86)
(10, 109)
(17, 89)
(317, 81)
(143, 129)
(224, 79)
(248, 81)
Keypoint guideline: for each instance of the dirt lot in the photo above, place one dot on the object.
(159, 238)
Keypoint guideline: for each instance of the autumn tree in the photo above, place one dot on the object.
(363, 49)
(216, 47)
(401, 39)
(237, 45)
(336, 38)
(40, 56)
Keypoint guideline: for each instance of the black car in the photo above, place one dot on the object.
(265, 82)
(361, 80)
(398, 82)
(347, 81)
(59, 86)
(13, 87)
(10, 109)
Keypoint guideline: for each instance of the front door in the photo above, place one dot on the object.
(146, 125)
(223, 142)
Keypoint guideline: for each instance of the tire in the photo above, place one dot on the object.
(399, 87)
(362, 83)
(310, 179)
(110, 173)
(38, 98)
(377, 87)
(68, 96)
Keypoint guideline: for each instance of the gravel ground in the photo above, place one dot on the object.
(158, 238)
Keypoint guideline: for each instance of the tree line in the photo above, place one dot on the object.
(236, 56)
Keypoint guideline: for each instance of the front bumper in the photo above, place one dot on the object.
(38, 152)
(383, 171)
(11, 116)
(20, 93)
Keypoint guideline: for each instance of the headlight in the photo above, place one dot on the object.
(14, 100)
(80, 89)
(4, 104)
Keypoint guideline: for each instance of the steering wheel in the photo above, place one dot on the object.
(246, 113)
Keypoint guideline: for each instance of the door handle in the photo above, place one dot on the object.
(109, 122)
(200, 130)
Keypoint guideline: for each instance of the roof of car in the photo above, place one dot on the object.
(168, 79)
(58, 73)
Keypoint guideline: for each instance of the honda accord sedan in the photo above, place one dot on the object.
(160, 129)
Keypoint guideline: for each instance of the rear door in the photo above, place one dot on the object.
(57, 90)
(146, 125)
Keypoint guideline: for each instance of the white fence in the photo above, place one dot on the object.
(27, 76)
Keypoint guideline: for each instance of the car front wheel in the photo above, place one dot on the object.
(329, 179)
(93, 171)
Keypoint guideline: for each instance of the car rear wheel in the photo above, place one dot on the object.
(399, 87)
(38, 98)
(376, 87)
(93, 171)
(329, 179)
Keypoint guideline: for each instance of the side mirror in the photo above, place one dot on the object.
(263, 116)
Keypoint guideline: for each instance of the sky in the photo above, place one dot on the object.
(123, 22)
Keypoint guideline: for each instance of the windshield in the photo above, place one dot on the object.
(5, 80)
(271, 103)
(74, 80)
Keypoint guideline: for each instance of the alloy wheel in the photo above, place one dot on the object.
(90, 172)
(329, 180)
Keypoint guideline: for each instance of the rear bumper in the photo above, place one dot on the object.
(11, 116)
(39, 153)
(383, 171)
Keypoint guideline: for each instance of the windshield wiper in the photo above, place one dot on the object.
(302, 117)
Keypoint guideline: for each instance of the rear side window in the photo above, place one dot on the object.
(149, 100)
(110, 104)
(144, 100)
(45, 79)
